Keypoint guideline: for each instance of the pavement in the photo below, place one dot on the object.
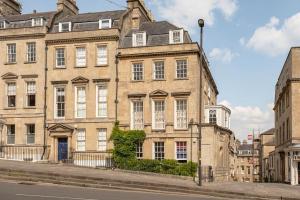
(21, 191)
(133, 181)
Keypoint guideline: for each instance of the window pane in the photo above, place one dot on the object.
(138, 72)
(159, 114)
(80, 57)
(81, 102)
(102, 101)
(11, 134)
(159, 70)
(102, 139)
(181, 70)
(11, 53)
(138, 115)
(181, 150)
(81, 140)
(30, 133)
(139, 150)
(31, 52)
(102, 55)
(139, 39)
(212, 116)
(159, 150)
(176, 37)
(60, 57)
(105, 23)
(11, 94)
(181, 114)
(60, 102)
(31, 92)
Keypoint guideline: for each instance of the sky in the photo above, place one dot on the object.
(246, 42)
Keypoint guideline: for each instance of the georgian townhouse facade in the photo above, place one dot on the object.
(103, 67)
(22, 79)
(287, 137)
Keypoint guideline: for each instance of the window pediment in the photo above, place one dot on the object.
(137, 95)
(9, 75)
(61, 128)
(158, 93)
(79, 79)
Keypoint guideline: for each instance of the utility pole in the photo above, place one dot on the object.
(201, 25)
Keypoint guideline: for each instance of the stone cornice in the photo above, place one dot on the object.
(30, 76)
(101, 80)
(83, 39)
(22, 36)
(151, 54)
(137, 95)
(59, 82)
(180, 94)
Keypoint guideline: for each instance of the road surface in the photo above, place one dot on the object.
(32, 191)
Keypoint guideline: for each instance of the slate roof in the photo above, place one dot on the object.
(157, 34)
(22, 21)
(89, 21)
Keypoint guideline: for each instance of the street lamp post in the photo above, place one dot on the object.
(1, 141)
(201, 25)
(191, 123)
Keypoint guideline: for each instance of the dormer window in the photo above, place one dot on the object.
(37, 22)
(104, 23)
(2, 24)
(139, 39)
(176, 36)
(65, 27)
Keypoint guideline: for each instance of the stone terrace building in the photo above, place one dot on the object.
(287, 135)
(266, 146)
(103, 67)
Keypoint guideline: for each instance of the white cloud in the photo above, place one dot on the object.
(273, 39)
(186, 13)
(246, 118)
(224, 55)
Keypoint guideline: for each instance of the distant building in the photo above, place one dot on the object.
(247, 163)
(287, 116)
(266, 146)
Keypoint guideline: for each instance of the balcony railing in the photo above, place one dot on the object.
(22, 153)
(91, 159)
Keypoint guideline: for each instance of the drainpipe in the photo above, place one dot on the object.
(45, 101)
(117, 86)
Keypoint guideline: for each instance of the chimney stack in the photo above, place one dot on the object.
(10, 7)
(69, 7)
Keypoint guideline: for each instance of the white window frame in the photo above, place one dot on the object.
(56, 57)
(132, 118)
(159, 152)
(28, 134)
(30, 92)
(176, 71)
(10, 93)
(155, 70)
(76, 102)
(81, 59)
(181, 153)
(102, 58)
(61, 25)
(101, 23)
(11, 53)
(35, 20)
(176, 114)
(135, 42)
(139, 150)
(135, 74)
(31, 51)
(102, 140)
(171, 36)
(55, 102)
(154, 125)
(104, 87)
(81, 140)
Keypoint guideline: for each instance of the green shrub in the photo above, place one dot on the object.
(124, 154)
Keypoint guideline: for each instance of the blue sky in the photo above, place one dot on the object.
(246, 42)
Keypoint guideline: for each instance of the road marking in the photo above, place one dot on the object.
(52, 197)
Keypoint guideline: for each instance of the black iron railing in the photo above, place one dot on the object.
(21, 153)
(92, 159)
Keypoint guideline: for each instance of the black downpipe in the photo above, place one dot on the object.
(45, 101)
(117, 86)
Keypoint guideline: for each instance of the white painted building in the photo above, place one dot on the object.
(218, 114)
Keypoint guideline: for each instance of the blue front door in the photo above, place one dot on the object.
(62, 149)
